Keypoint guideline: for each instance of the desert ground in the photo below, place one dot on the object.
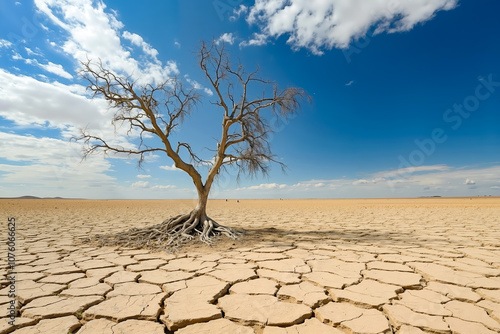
(427, 265)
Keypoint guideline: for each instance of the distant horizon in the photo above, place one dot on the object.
(405, 95)
(234, 199)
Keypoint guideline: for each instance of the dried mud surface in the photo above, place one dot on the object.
(429, 265)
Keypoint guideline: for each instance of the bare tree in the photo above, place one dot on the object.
(155, 111)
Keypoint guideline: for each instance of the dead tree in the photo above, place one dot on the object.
(155, 111)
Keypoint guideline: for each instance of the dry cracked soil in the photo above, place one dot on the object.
(403, 266)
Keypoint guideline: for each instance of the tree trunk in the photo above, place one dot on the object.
(201, 207)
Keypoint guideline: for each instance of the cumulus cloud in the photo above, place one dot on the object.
(90, 30)
(169, 168)
(44, 166)
(56, 69)
(237, 12)
(324, 24)
(257, 40)
(50, 166)
(27, 101)
(469, 182)
(93, 32)
(143, 176)
(139, 41)
(5, 43)
(226, 38)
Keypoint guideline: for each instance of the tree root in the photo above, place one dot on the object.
(168, 235)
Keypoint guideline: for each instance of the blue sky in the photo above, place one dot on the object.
(406, 94)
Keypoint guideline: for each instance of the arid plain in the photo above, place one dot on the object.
(427, 265)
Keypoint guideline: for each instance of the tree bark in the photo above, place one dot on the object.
(201, 207)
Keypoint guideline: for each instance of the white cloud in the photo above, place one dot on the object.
(371, 181)
(33, 53)
(170, 168)
(17, 56)
(449, 179)
(50, 166)
(193, 83)
(469, 182)
(197, 85)
(27, 101)
(265, 186)
(431, 180)
(140, 184)
(143, 176)
(49, 67)
(28, 148)
(226, 38)
(256, 40)
(5, 43)
(53, 166)
(411, 170)
(324, 24)
(177, 44)
(208, 91)
(350, 83)
(139, 41)
(56, 69)
(95, 33)
(32, 103)
(362, 181)
(159, 187)
(237, 12)
(148, 186)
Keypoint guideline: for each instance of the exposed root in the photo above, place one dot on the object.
(168, 235)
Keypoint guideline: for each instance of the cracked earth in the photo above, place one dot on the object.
(304, 266)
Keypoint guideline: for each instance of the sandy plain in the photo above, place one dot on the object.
(427, 265)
